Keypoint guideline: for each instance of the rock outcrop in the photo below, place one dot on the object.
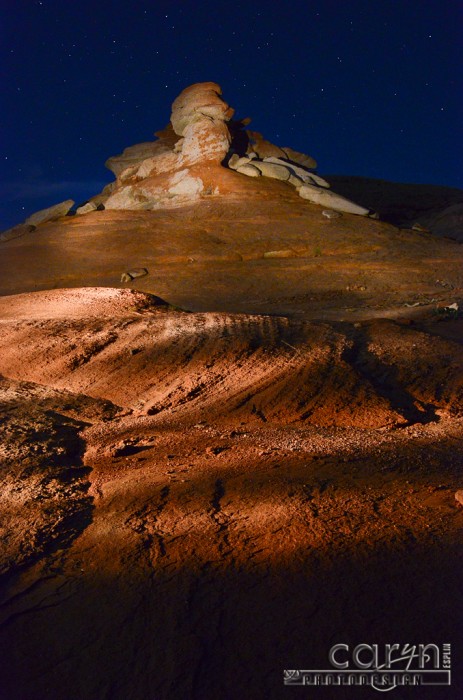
(202, 152)
(187, 161)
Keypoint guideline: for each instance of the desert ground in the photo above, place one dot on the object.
(217, 471)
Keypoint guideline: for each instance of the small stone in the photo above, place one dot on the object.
(459, 497)
(138, 272)
(280, 254)
(132, 274)
(331, 214)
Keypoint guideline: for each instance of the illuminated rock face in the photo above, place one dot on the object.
(200, 115)
(203, 135)
(203, 151)
(155, 175)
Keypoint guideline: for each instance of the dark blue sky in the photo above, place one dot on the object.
(368, 87)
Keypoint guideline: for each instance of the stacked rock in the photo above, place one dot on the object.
(186, 161)
(309, 185)
(201, 130)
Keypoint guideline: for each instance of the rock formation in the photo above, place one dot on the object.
(202, 152)
(200, 139)
(205, 152)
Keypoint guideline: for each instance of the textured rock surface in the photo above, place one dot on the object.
(284, 460)
(199, 115)
(184, 183)
(197, 102)
(51, 213)
(243, 495)
(134, 155)
(129, 197)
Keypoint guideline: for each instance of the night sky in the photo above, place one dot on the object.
(368, 88)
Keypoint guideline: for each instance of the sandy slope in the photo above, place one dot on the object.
(247, 490)
(268, 253)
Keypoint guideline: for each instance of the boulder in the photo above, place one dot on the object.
(133, 156)
(279, 172)
(295, 181)
(300, 158)
(265, 149)
(50, 214)
(330, 199)
(199, 115)
(87, 208)
(248, 169)
(235, 162)
(262, 147)
(197, 102)
(301, 173)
